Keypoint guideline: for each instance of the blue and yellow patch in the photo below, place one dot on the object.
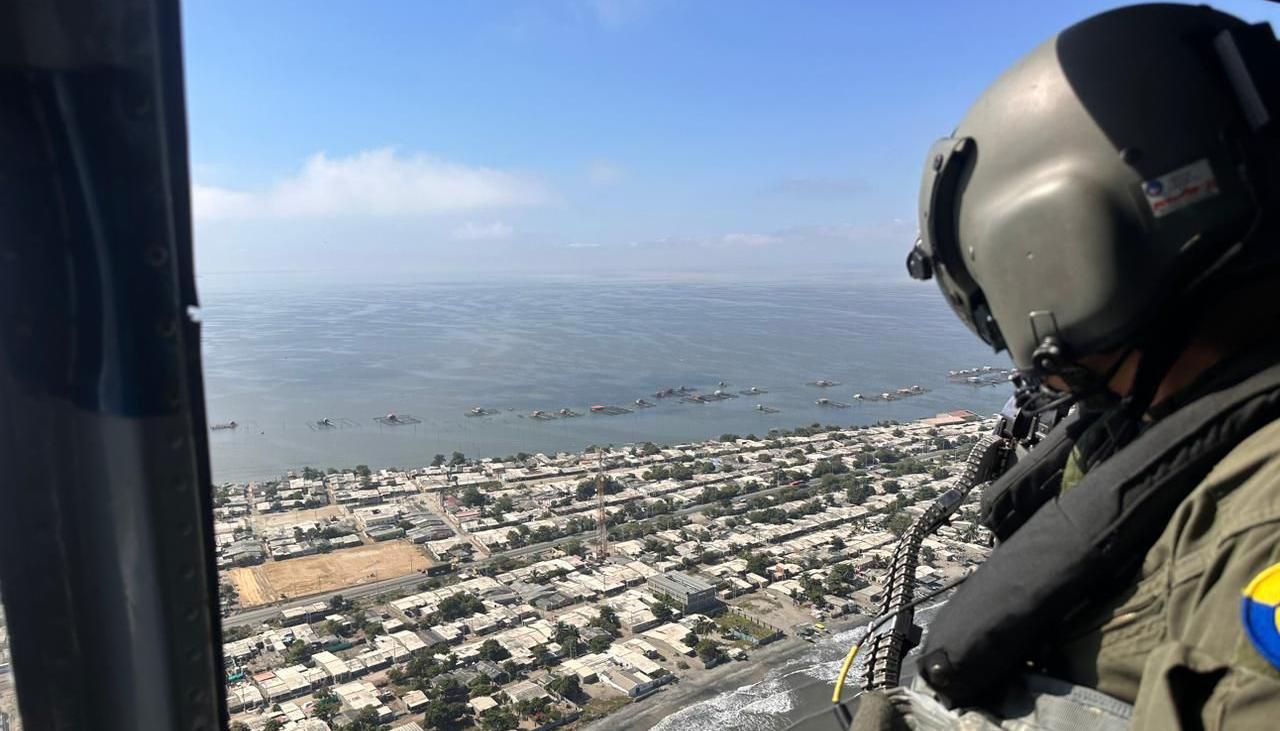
(1260, 613)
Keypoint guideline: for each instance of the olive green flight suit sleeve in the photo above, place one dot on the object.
(1176, 645)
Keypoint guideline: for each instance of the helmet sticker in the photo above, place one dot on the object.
(1260, 614)
(1180, 188)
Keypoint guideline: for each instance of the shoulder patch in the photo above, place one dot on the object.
(1260, 613)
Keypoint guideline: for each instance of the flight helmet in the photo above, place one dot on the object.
(1100, 181)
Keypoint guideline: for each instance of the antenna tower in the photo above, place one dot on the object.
(602, 522)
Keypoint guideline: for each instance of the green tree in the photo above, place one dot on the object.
(458, 458)
(472, 497)
(365, 720)
(566, 686)
(607, 619)
(327, 704)
(503, 505)
(272, 725)
(298, 652)
(458, 606)
(499, 718)
(491, 650)
(709, 651)
(898, 523)
(444, 714)
(600, 643)
(362, 470)
(758, 563)
(662, 611)
(437, 460)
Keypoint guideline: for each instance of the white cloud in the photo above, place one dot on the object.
(472, 231)
(373, 183)
(738, 239)
(603, 172)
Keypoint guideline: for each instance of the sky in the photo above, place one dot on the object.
(581, 137)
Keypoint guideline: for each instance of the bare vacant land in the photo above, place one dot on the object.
(277, 580)
(773, 609)
(293, 517)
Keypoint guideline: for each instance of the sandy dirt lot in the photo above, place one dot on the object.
(773, 609)
(277, 580)
(293, 517)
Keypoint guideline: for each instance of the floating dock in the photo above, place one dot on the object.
(828, 403)
(608, 410)
(753, 391)
(766, 409)
(330, 424)
(822, 383)
(982, 376)
(716, 395)
(477, 411)
(394, 419)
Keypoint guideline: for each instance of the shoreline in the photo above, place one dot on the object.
(477, 458)
(703, 685)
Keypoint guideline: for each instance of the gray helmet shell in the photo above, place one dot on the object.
(1066, 206)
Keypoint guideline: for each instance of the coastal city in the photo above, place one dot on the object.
(538, 591)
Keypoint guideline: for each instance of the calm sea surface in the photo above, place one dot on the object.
(281, 354)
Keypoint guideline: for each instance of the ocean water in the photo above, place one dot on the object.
(281, 353)
(798, 689)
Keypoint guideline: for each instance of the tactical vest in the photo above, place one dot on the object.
(1062, 552)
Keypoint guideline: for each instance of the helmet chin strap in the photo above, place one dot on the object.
(1158, 351)
(1035, 396)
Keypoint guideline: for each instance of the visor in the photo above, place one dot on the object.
(937, 253)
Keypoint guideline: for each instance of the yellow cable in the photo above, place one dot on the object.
(844, 673)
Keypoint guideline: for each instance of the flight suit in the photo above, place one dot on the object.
(1174, 644)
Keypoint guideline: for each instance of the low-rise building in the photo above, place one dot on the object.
(690, 593)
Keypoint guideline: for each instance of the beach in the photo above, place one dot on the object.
(776, 683)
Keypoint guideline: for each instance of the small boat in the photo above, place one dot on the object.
(227, 425)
